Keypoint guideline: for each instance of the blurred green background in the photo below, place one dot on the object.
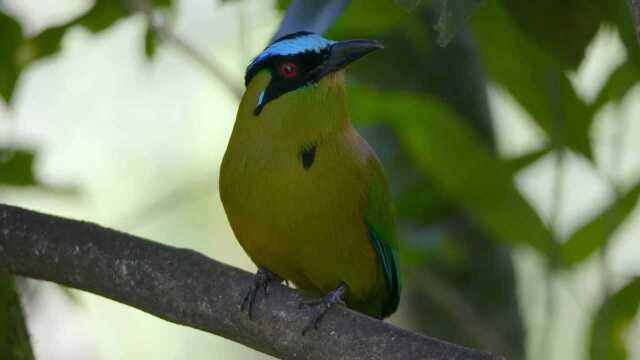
(509, 129)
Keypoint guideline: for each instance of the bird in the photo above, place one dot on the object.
(305, 195)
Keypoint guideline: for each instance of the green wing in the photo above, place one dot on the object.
(380, 220)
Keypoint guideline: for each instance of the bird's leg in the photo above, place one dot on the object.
(262, 279)
(325, 303)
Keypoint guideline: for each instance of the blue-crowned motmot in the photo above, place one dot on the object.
(305, 194)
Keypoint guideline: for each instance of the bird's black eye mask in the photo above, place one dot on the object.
(301, 59)
(288, 73)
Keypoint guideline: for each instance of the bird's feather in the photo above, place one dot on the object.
(379, 218)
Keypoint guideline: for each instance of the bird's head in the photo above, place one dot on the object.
(299, 61)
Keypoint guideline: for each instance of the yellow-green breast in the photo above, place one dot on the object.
(295, 183)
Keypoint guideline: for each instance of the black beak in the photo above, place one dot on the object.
(343, 53)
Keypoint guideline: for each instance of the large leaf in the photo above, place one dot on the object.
(459, 163)
(563, 28)
(10, 41)
(619, 83)
(595, 234)
(533, 78)
(16, 168)
(612, 322)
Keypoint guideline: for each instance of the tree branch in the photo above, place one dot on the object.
(159, 25)
(209, 65)
(187, 288)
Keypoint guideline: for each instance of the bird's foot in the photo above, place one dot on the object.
(325, 303)
(262, 279)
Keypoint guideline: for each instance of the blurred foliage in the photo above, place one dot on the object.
(103, 14)
(611, 324)
(150, 42)
(16, 168)
(520, 162)
(426, 107)
(9, 46)
(619, 83)
(483, 187)
(562, 29)
(14, 339)
(16, 51)
(595, 234)
(533, 78)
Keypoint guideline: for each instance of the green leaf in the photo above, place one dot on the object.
(595, 234)
(612, 322)
(103, 14)
(453, 16)
(518, 163)
(621, 16)
(47, 42)
(563, 28)
(14, 338)
(150, 42)
(16, 168)
(17, 52)
(10, 42)
(457, 160)
(619, 83)
(533, 78)
(374, 17)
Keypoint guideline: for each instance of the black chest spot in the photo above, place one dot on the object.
(308, 156)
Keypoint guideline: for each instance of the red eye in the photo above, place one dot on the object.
(288, 70)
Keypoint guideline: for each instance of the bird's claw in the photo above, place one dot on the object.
(326, 303)
(262, 279)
